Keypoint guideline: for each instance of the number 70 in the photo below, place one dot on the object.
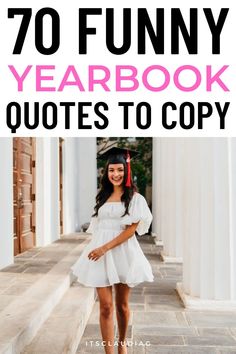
(39, 43)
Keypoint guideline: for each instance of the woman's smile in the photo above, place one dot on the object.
(116, 173)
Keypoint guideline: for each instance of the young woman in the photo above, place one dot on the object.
(114, 257)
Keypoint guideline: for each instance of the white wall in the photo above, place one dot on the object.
(79, 181)
(6, 202)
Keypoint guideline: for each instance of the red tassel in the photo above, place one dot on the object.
(128, 181)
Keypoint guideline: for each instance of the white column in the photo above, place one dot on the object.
(87, 179)
(79, 181)
(167, 196)
(6, 203)
(156, 189)
(70, 166)
(179, 213)
(232, 193)
(47, 191)
(232, 159)
(209, 272)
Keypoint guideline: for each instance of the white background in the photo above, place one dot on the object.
(99, 55)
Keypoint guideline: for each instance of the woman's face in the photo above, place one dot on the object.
(116, 173)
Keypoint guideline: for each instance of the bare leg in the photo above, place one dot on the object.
(122, 313)
(106, 318)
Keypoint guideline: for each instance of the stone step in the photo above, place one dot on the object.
(62, 331)
(22, 318)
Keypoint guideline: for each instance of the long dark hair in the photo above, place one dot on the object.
(106, 188)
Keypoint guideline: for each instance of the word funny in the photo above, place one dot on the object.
(146, 27)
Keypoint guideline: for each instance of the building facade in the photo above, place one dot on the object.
(193, 204)
(48, 186)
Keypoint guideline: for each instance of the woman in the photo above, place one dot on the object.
(114, 257)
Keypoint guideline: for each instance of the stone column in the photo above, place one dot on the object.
(79, 181)
(168, 187)
(47, 191)
(209, 269)
(156, 190)
(87, 179)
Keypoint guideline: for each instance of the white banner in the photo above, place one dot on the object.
(82, 69)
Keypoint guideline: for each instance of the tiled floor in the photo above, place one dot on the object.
(30, 266)
(159, 322)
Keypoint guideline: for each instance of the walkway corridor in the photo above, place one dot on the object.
(159, 322)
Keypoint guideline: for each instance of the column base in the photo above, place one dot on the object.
(169, 259)
(156, 240)
(195, 303)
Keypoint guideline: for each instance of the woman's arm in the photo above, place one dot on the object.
(122, 237)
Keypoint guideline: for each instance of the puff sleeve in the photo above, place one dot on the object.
(139, 212)
(93, 225)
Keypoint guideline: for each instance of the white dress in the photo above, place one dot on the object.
(125, 263)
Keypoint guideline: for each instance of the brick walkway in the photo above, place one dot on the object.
(159, 322)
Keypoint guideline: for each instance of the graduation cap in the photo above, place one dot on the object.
(120, 155)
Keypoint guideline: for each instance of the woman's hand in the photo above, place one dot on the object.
(95, 254)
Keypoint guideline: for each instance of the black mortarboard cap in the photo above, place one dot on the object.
(115, 151)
